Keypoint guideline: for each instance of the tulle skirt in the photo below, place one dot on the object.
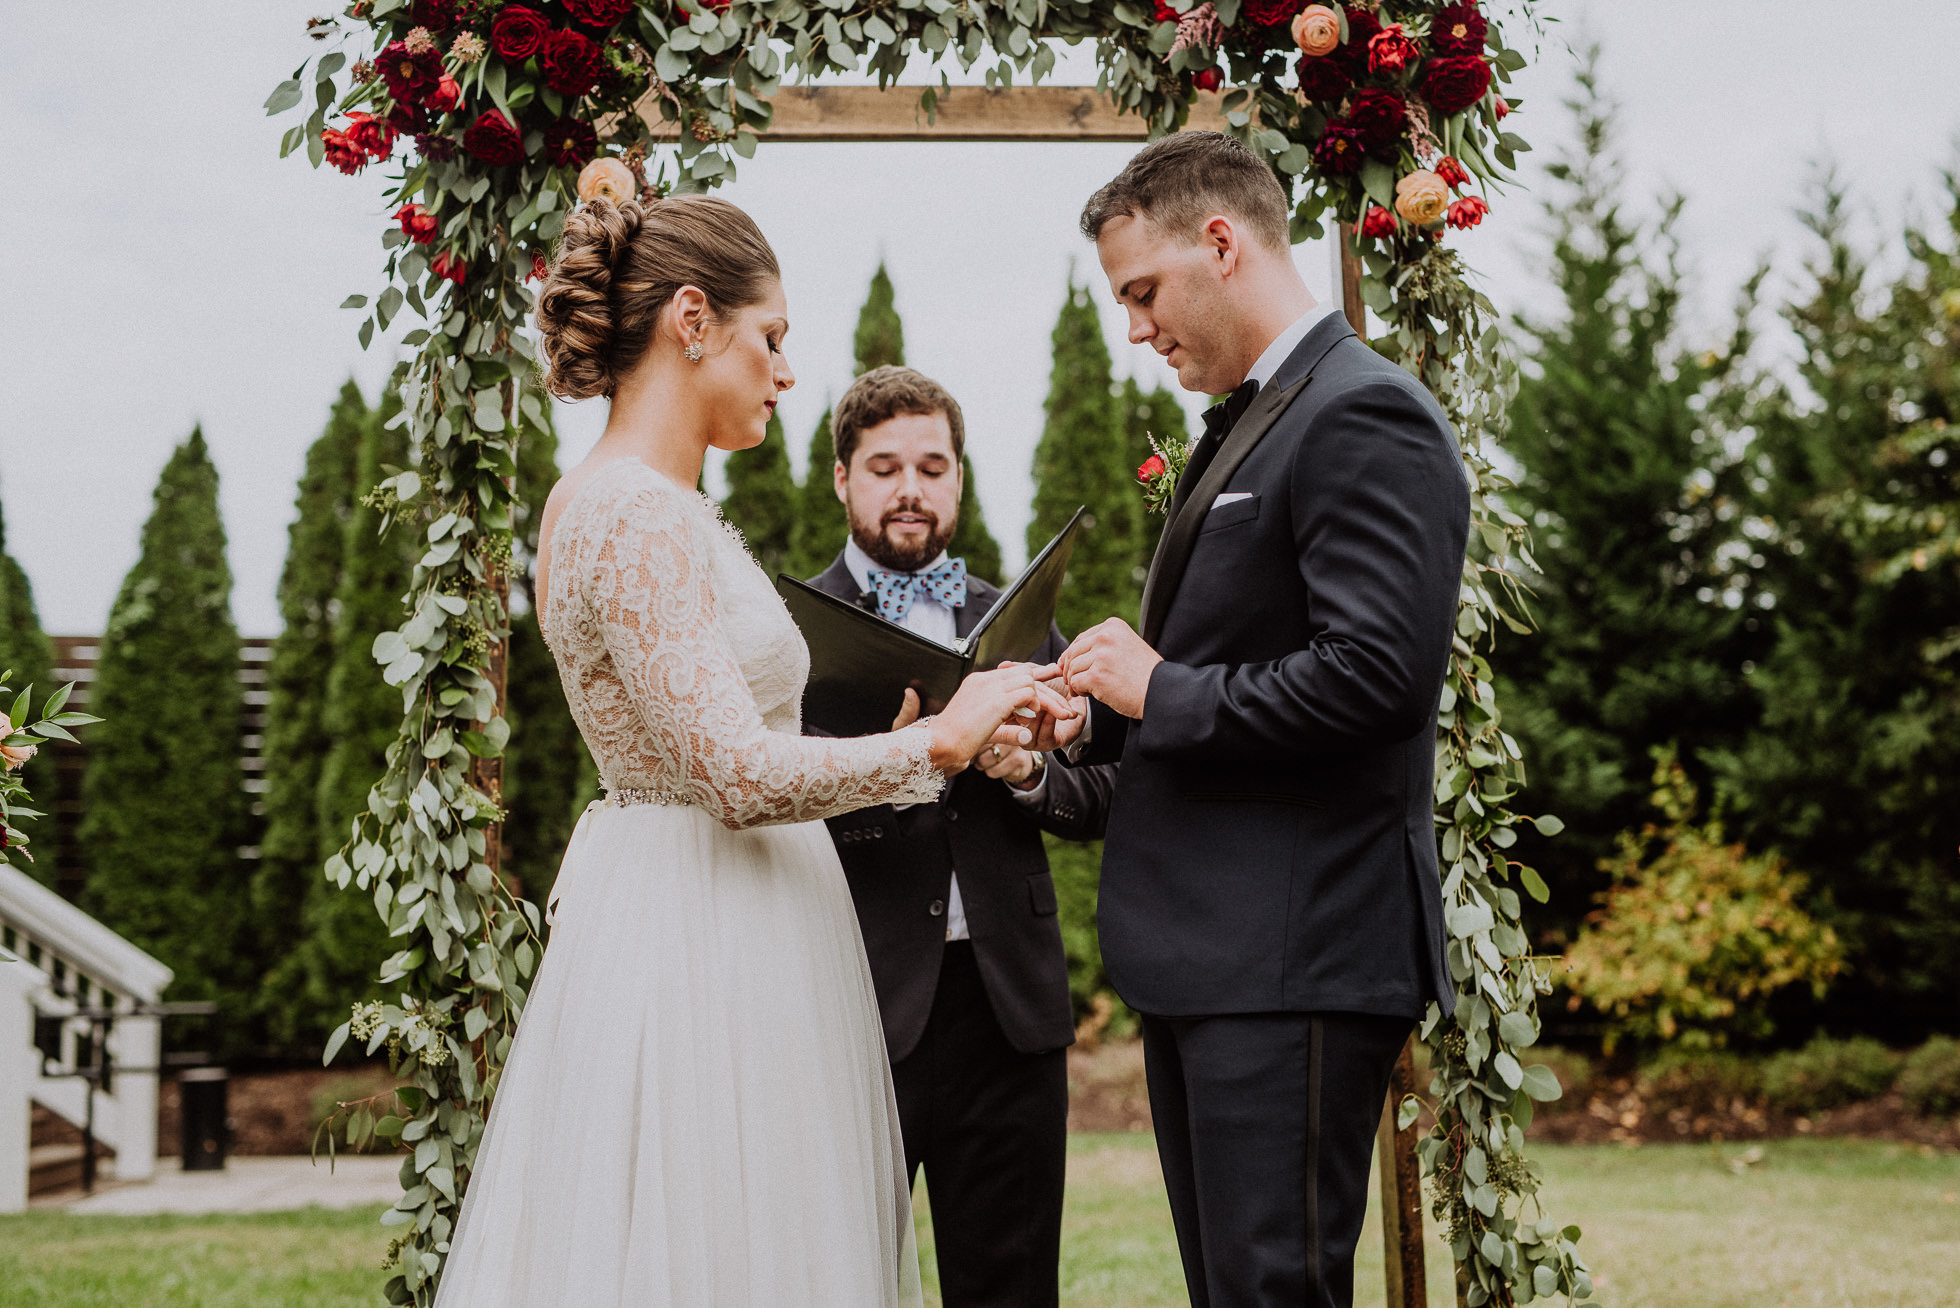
(697, 1111)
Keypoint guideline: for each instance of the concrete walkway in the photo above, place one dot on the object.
(246, 1185)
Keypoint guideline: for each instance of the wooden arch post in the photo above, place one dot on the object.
(1082, 113)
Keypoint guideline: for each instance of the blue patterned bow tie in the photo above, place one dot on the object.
(896, 590)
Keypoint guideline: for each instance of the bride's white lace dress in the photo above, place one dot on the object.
(697, 1110)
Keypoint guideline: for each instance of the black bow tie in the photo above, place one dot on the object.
(1222, 417)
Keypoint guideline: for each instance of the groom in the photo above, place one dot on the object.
(954, 899)
(1270, 898)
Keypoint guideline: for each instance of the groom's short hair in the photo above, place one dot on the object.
(1180, 181)
(885, 393)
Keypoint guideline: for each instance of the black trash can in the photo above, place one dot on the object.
(203, 1094)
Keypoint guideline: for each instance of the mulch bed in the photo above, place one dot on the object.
(277, 1112)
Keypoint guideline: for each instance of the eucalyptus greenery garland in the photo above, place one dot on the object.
(497, 142)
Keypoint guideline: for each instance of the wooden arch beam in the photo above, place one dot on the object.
(965, 113)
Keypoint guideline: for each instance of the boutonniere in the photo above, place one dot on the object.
(1159, 473)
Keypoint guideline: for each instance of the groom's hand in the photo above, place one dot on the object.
(1111, 662)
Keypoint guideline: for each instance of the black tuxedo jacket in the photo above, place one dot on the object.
(1271, 843)
(900, 865)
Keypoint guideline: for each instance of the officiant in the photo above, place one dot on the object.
(954, 899)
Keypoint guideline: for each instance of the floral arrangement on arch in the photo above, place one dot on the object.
(1391, 108)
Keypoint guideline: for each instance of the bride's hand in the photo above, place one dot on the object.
(991, 708)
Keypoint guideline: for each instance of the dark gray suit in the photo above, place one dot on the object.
(1270, 896)
(976, 1029)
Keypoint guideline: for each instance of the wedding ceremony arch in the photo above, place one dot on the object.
(1384, 120)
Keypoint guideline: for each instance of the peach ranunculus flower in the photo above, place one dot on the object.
(1316, 30)
(12, 756)
(608, 178)
(1421, 197)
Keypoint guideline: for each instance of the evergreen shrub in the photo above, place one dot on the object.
(1698, 1080)
(1930, 1078)
(1696, 934)
(1829, 1073)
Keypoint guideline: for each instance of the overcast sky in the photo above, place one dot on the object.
(168, 269)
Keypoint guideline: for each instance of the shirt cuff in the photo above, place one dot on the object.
(1036, 794)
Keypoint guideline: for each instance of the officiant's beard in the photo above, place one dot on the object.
(875, 539)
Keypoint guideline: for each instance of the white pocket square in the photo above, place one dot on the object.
(1230, 497)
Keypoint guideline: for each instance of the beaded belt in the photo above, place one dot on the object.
(632, 795)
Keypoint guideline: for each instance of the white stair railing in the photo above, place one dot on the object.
(76, 972)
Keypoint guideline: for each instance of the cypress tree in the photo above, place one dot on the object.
(296, 737)
(821, 525)
(971, 539)
(345, 939)
(1619, 428)
(164, 792)
(1157, 415)
(880, 338)
(1854, 505)
(1082, 460)
(542, 763)
(28, 654)
(762, 498)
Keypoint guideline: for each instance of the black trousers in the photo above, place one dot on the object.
(1266, 1128)
(989, 1125)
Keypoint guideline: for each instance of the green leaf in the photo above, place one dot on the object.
(1538, 1082)
(283, 97)
(1406, 1112)
(1534, 884)
(1548, 825)
(1378, 180)
(1516, 1030)
(334, 1042)
(1508, 1069)
(354, 302)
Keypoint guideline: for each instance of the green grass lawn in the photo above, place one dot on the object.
(1814, 1224)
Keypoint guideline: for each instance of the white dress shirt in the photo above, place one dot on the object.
(934, 621)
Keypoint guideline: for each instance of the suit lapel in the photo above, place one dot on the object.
(837, 581)
(1187, 515)
(980, 598)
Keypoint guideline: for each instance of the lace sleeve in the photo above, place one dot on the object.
(650, 588)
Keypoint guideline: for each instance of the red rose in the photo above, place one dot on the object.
(1502, 106)
(1271, 13)
(1380, 116)
(1150, 469)
(1340, 150)
(450, 266)
(1362, 28)
(598, 13)
(446, 96)
(571, 62)
(1458, 29)
(410, 74)
(371, 135)
(540, 270)
(1467, 212)
(1323, 79)
(1377, 222)
(1391, 50)
(342, 153)
(433, 14)
(440, 149)
(1454, 84)
(493, 140)
(1208, 79)
(569, 142)
(1165, 14)
(1452, 172)
(418, 224)
(517, 33)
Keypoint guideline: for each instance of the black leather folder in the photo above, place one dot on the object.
(862, 664)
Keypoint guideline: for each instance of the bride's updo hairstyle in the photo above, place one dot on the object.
(619, 264)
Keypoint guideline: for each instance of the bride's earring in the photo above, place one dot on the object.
(693, 351)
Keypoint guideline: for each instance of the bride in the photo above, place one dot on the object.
(697, 1109)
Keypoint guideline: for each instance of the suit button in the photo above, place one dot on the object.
(877, 833)
(938, 908)
(952, 815)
